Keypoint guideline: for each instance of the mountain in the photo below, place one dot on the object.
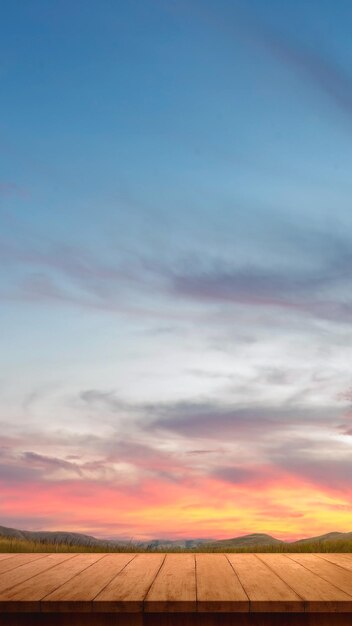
(79, 539)
(247, 541)
(327, 537)
(178, 543)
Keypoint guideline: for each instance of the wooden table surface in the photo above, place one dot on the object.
(128, 586)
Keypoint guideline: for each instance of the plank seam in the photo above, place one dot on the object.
(322, 577)
(38, 574)
(113, 578)
(152, 583)
(11, 555)
(196, 577)
(324, 558)
(70, 579)
(305, 602)
(42, 556)
(239, 580)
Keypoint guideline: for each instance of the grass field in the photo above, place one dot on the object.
(17, 545)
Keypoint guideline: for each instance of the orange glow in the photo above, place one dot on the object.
(288, 509)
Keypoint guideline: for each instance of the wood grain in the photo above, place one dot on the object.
(218, 586)
(73, 619)
(178, 619)
(332, 573)
(127, 591)
(246, 619)
(26, 595)
(343, 560)
(266, 591)
(29, 571)
(318, 594)
(174, 588)
(87, 585)
(16, 560)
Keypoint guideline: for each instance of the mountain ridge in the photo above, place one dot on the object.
(242, 541)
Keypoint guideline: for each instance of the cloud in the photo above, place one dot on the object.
(322, 459)
(346, 396)
(257, 468)
(11, 473)
(284, 437)
(73, 275)
(318, 289)
(316, 67)
(49, 463)
(217, 421)
(329, 473)
(314, 64)
(48, 271)
(346, 429)
(211, 418)
(237, 474)
(316, 292)
(107, 399)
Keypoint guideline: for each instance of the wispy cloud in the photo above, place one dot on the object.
(319, 292)
(191, 294)
(48, 463)
(316, 66)
(160, 464)
(76, 277)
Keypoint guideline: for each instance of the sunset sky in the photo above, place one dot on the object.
(175, 267)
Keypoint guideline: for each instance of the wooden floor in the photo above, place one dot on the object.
(176, 589)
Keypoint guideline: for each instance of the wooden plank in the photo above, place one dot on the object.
(16, 560)
(218, 586)
(180, 619)
(247, 619)
(126, 592)
(28, 570)
(73, 619)
(174, 588)
(318, 594)
(343, 560)
(265, 590)
(334, 574)
(26, 595)
(87, 585)
(91, 590)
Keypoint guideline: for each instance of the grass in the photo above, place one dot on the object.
(19, 545)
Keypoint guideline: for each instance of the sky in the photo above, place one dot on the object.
(175, 267)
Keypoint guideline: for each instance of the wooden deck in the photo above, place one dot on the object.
(176, 589)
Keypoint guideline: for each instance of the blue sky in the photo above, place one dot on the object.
(175, 255)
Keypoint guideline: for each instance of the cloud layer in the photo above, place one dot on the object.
(175, 270)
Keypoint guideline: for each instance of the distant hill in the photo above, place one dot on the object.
(246, 541)
(261, 539)
(79, 539)
(68, 538)
(254, 540)
(327, 537)
(178, 543)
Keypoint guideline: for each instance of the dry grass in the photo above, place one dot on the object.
(17, 545)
